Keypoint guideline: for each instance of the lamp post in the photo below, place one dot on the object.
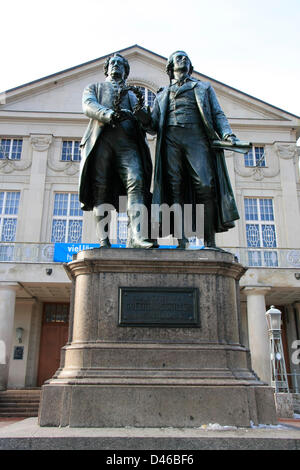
(19, 334)
(279, 377)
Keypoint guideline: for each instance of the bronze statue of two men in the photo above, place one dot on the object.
(189, 166)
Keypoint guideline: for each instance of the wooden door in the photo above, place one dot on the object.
(54, 336)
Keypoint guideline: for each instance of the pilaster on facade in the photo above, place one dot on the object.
(30, 377)
(287, 152)
(8, 291)
(18, 367)
(34, 197)
(40, 142)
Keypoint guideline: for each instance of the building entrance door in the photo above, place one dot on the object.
(54, 336)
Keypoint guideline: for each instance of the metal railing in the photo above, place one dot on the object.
(26, 252)
(267, 257)
(16, 252)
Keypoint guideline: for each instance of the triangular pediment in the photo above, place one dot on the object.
(243, 107)
(239, 105)
(62, 91)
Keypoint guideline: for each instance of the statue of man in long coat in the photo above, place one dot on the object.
(116, 158)
(187, 119)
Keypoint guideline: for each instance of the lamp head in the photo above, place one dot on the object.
(273, 316)
(19, 334)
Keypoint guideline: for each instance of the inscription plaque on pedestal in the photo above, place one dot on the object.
(159, 306)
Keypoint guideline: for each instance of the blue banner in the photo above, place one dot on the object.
(63, 252)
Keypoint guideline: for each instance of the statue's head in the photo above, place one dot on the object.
(116, 64)
(176, 60)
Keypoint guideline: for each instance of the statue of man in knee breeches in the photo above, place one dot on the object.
(116, 159)
(188, 169)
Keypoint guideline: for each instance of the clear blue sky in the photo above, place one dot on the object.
(251, 45)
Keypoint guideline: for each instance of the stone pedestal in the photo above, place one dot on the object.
(284, 405)
(161, 375)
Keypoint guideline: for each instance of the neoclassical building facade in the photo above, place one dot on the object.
(41, 223)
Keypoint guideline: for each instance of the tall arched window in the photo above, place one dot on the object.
(149, 96)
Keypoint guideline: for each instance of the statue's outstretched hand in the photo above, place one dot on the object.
(113, 120)
(143, 115)
(119, 116)
(126, 114)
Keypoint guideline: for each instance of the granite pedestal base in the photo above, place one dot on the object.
(171, 373)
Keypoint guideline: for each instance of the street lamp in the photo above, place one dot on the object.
(279, 377)
(19, 334)
(273, 316)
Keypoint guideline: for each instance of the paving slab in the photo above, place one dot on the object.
(28, 435)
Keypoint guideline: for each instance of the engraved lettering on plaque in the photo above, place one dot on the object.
(153, 306)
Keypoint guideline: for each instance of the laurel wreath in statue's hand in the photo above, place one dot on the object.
(120, 114)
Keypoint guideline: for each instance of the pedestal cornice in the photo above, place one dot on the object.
(152, 261)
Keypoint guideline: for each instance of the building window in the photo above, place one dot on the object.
(260, 232)
(56, 313)
(71, 151)
(67, 219)
(149, 96)
(255, 157)
(9, 207)
(10, 149)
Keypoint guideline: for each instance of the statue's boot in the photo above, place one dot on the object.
(183, 241)
(101, 231)
(209, 224)
(135, 238)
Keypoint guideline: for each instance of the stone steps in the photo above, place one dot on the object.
(19, 414)
(19, 403)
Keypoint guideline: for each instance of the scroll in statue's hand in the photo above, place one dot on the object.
(232, 138)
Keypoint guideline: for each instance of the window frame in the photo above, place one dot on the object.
(72, 142)
(11, 147)
(145, 89)
(13, 216)
(254, 159)
(68, 218)
(263, 253)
